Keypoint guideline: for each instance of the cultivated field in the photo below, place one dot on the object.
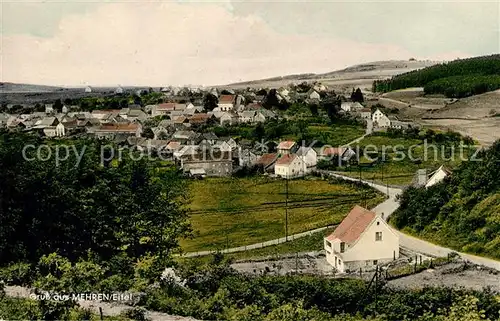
(230, 212)
(475, 116)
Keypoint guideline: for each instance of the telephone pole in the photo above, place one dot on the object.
(286, 210)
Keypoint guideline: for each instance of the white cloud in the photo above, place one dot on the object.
(169, 43)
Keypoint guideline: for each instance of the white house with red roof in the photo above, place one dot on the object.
(226, 102)
(289, 166)
(362, 241)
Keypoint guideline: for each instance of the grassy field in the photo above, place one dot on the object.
(313, 242)
(337, 135)
(231, 212)
(394, 170)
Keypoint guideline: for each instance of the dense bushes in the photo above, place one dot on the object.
(459, 78)
(220, 294)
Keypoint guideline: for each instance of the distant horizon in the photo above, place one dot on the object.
(70, 86)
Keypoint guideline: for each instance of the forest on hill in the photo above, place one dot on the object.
(463, 211)
(455, 79)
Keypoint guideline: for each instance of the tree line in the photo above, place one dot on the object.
(455, 79)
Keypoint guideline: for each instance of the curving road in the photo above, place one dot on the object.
(389, 206)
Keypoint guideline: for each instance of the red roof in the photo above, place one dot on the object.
(227, 99)
(166, 106)
(366, 110)
(353, 225)
(286, 159)
(330, 151)
(267, 159)
(199, 118)
(119, 127)
(287, 144)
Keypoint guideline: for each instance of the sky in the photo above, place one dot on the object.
(167, 42)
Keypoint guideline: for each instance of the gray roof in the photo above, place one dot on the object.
(302, 151)
(210, 136)
(249, 113)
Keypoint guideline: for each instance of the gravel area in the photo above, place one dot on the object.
(452, 275)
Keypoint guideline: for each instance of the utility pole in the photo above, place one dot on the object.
(286, 210)
(376, 288)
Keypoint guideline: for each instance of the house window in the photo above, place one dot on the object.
(378, 223)
(342, 247)
(378, 236)
(328, 244)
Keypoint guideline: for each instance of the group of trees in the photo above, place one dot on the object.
(461, 212)
(121, 210)
(456, 79)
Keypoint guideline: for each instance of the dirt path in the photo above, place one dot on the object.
(108, 309)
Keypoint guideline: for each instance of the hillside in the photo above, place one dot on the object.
(7, 87)
(463, 212)
(455, 79)
(361, 75)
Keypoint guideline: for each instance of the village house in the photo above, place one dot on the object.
(106, 115)
(267, 161)
(49, 109)
(246, 157)
(133, 114)
(289, 166)
(286, 147)
(171, 147)
(88, 89)
(184, 136)
(309, 159)
(365, 113)
(338, 155)
(346, 106)
(363, 240)
(46, 122)
(199, 119)
(247, 116)
(110, 131)
(230, 141)
(438, 176)
(219, 164)
(162, 109)
(210, 137)
(228, 119)
(222, 146)
(313, 95)
(380, 119)
(227, 102)
(119, 90)
(186, 150)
